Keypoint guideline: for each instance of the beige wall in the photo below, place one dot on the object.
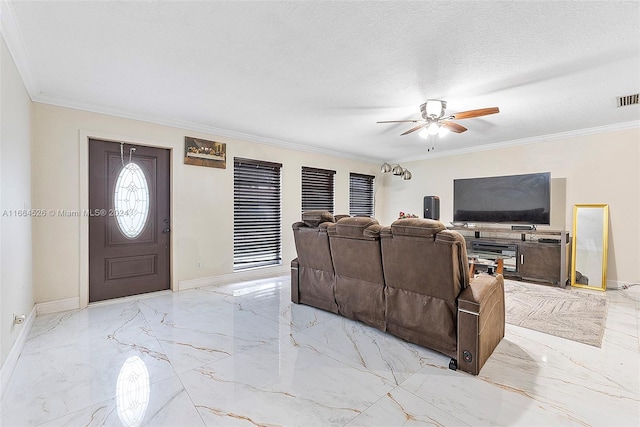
(599, 168)
(16, 290)
(584, 169)
(202, 206)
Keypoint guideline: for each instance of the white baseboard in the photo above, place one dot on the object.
(223, 279)
(615, 284)
(16, 349)
(240, 276)
(57, 306)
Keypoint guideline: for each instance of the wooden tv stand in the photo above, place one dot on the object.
(528, 255)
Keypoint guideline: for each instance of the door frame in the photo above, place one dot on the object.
(83, 141)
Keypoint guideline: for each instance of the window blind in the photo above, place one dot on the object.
(361, 194)
(317, 189)
(256, 214)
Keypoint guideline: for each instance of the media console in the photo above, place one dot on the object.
(530, 255)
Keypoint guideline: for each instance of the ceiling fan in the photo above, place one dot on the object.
(434, 118)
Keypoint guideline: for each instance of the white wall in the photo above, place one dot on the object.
(202, 206)
(16, 293)
(598, 168)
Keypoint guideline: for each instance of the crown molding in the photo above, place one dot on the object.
(186, 125)
(196, 127)
(635, 124)
(15, 43)
(17, 48)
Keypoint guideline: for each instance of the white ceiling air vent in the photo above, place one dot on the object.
(624, 101)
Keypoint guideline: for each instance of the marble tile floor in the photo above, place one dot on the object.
(244, 355)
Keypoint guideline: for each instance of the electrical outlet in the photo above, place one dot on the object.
(18, 319)
(199, 264)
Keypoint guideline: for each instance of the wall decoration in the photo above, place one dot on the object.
(200, 152)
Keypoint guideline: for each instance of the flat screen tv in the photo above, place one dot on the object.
(518, 199)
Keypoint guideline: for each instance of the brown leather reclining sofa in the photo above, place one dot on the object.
(410, 279)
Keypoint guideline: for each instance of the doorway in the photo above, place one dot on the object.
(129, 219)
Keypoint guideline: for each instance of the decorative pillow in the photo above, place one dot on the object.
(416, 227)
(315, 218)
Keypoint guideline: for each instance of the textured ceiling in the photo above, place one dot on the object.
(320, 74)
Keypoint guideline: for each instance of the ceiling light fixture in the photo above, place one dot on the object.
(435, 108)
(434, 128)
(386, 167)
(397, 170)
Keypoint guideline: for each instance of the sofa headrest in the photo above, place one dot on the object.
(450, 237)
(315, 218)
(416, 227)
(301, 226)
(340, 216)
(372, 231)
(356, 227)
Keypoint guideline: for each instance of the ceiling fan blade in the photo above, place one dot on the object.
(453, 127)
(400, 121)
(475, 113)
(421, 125)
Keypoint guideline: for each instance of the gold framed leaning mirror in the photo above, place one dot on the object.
(589, 246)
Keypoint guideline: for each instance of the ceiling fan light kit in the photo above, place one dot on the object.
(435, 122)
(433, 108)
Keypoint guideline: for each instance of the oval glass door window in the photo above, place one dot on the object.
(131, 200)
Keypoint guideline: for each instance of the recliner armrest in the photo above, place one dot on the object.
(482, 290)
(481, 321)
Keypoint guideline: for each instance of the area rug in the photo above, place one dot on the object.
(566, 313)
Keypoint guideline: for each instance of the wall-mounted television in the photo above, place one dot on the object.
(518, 199)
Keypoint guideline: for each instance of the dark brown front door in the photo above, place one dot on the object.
(129, 220)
